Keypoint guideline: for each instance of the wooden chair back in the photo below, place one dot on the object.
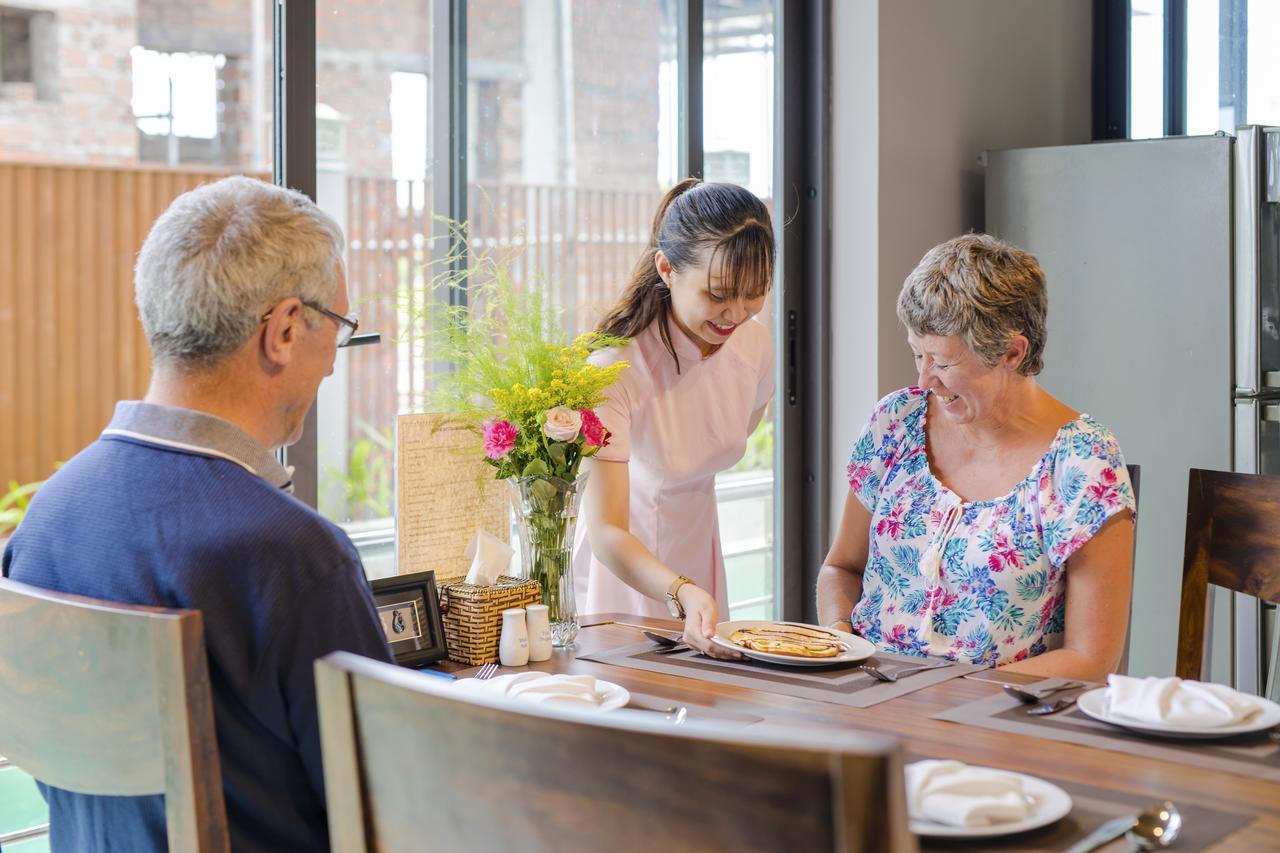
(1232, 541)
(411, 765)
(112, 699)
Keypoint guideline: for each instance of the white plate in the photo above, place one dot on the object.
(858, 648)
(1094, 704)
(1048, 803)
(614, 695)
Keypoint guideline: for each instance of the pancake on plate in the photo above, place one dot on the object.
(794, 640)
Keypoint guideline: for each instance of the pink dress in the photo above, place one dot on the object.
(676, 431)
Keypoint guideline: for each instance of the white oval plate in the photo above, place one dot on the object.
(1094, 704)
(615, 695)
(858, 648)
(1049, 803)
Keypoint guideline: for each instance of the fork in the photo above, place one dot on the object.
(876, 672)
(489, 670)
(1031, 697)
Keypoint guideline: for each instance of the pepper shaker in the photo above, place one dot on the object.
(513, 645)
(539, 632)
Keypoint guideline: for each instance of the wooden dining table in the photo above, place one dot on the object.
(1104, 773)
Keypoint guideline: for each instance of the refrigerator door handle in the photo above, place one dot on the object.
(1247, 179)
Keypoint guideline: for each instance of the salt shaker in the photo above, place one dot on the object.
(513, 645)
(539, 632)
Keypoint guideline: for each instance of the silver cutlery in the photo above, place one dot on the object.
(1030, 697)
(1157, 826)
(1051, 707)
(489, 670)
(876, 673)
(663, 639)
(880, 675)
(1154, 827)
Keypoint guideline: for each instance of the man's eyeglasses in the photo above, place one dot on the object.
(347, 326)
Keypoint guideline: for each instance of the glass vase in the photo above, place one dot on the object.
(546, 512)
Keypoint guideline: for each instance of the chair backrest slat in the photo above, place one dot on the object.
(112, 699)
(409, 765)
(1232, 541)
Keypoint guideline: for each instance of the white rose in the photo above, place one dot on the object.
(562, 424)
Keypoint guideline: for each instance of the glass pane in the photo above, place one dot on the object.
(1204, 101)
(738, 130)
(1264, 62)
(1146, 69)
(98, 101)
(571, 133)
(373, 151)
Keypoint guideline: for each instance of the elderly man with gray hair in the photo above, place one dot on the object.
(181, 503)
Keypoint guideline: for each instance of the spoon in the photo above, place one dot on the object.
(1032, 696)
(1051, 707)
(663, 639)
(1156, 826)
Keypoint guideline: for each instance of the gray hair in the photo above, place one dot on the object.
(985, 291)
(220, 256)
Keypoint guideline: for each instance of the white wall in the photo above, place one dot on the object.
(920, 89)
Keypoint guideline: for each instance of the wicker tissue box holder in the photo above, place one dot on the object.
(473, 615)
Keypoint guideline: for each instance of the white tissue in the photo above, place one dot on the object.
(490, 557)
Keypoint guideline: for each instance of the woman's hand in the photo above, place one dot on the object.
(700, 619)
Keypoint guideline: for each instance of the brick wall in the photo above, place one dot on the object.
(90, 117)
(616, 48)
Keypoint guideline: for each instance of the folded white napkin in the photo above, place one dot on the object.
(490, 557)
(1172, 701)
(957, 794)
(576, 690)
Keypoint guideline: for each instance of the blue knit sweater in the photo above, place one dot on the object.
(135, 521)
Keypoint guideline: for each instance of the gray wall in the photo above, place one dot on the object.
(920, 89)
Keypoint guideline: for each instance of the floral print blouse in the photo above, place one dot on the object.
(979, 581)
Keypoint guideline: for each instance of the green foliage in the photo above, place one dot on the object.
(14, 503)
(366, 484)
(511, 360)
(759, 454)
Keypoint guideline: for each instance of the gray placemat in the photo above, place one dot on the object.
(1251, 755)
(841, 685)
(1091, 807)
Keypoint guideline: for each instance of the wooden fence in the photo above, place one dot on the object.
(70, 341)
(71, 344)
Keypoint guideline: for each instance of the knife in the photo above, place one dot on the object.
(1109, 831)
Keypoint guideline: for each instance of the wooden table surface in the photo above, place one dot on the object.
(907, 718)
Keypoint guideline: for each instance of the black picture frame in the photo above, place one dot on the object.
(408, 607)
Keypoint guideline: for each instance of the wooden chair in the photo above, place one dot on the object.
(112, 699)
(1233, 541)
(410, 765)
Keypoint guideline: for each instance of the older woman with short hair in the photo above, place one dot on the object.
(987, 522)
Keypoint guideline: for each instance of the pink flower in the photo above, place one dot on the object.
(562, 424)
(499, 438)
(593, 432)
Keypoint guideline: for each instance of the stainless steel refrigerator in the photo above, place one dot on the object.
(1164, 324)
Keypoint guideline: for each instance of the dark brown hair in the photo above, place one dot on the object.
(694, 217)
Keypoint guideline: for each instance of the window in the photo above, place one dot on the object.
(15, 46)
(176, 94)
(27, 59)
(572, 120)
(1202, 66)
